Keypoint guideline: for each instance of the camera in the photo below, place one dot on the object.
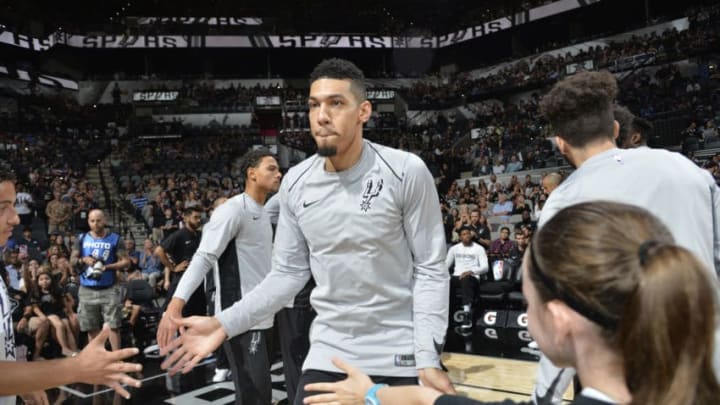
(95, 271)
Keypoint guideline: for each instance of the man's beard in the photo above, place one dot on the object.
(327, 151)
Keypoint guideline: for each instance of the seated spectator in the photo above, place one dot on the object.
(29, 273)
(519, 205)
(495, 190)
(599, 313)
(500, 248)
(133, 255)
(191, 200)
(49, 303)
(526, 221)
(503, 207)
(498, 167)
(24, 323)
(170, 224)
(27, 245)
(482, 206)
(456, 231)
(470, 262)
(480, 229)
(482, 168)
(517, 252)
(13, 266)
(60, 270)
(149, 264)
(57, 240)
(515, 165)
(528, 184)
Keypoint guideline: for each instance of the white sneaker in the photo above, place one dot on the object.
(152, 352)
(221, 374)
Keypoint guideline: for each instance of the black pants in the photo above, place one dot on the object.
(294, 329)
(468, 286)
(248, 357)
(221, 360)
(316, 376)
(196, 305)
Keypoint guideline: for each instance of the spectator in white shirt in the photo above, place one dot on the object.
(498, 167)
(470, 262)
(23, 205)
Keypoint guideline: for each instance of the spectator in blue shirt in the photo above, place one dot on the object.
(149, 263)
(503, 207)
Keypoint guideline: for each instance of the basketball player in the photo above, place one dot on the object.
(239, 238)
(607, 292)
(634, 131)
(683, 196)
(365, 221)
(293, 323)
(93, 365)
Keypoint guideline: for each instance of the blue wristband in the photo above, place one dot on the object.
(370, 397)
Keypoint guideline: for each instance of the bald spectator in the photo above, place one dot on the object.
(503, 207)
(551, 181)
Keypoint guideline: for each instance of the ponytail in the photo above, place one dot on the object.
(667, 332)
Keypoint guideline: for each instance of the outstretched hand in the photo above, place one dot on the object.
(349, 391)
(167, 328)
(199, 337)
(436, 379)
(99, 366)
(35, 398)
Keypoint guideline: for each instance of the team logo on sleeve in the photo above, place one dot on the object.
(372, 190)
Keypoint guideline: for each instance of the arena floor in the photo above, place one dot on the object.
(488, 364)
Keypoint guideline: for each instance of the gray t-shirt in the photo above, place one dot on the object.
(242, 222)
(683, 196)
(372, 237)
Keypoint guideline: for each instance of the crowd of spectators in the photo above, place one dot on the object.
(513, 136)
(50, 145)
(157, 176)
(703, 35)
(50, 141)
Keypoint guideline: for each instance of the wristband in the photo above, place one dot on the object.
(370, 397)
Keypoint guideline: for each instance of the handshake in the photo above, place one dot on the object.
(95, 271)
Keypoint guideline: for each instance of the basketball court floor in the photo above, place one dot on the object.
(489, 362)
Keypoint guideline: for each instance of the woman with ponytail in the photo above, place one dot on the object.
(610, 294)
